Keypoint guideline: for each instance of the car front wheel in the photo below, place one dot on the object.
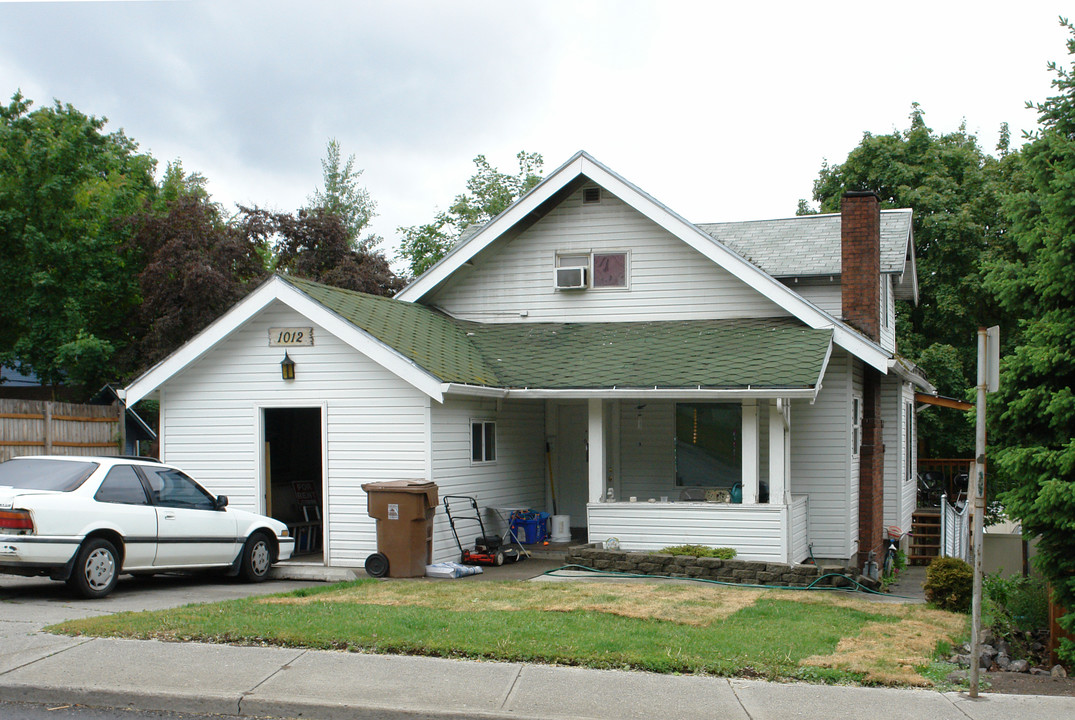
(257, 558)
(96, 569)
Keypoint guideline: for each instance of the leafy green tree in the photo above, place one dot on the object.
(1034, 411)
(344, 197)
(177, 183)
(489, 193)
(952, 186)
(69, 288)
(314, 244)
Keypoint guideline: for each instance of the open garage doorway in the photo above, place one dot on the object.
(294, 487)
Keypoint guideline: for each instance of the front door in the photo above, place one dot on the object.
(572, 478)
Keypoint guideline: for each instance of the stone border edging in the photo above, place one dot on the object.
(744, 572)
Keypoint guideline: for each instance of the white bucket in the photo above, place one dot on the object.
(561, 528)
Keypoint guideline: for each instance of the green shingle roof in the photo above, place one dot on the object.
(708, 354)
(430, 339)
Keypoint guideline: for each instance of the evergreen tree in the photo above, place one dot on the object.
(343, 197)
(1033, 414)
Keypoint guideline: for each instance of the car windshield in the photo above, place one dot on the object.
(44, 474)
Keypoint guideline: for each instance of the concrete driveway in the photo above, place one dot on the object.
(29, 604)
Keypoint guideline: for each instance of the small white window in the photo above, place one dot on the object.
(856, 424)
(569, 261)
(482, 441)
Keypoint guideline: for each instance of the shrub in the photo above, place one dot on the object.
(699, 551)
(1019, 608)
(949, 584)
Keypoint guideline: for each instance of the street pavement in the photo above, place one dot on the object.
(36, 667)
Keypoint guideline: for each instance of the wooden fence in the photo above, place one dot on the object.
(34, 427)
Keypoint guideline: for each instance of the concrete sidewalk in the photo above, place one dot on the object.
(224, 679)
(268, 681)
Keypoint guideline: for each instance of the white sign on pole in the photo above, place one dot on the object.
(992, 359)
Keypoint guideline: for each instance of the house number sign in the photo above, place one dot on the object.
(290, 336)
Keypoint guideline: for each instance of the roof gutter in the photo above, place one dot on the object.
(460, 389)
(821, 374)
(912, 375)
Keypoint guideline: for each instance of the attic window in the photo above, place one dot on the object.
(610, 270)
(591, 195)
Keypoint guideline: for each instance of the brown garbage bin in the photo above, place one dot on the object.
(404, 512)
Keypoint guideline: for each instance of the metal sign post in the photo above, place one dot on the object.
(988, 380)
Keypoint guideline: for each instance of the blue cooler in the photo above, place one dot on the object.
(530, 527)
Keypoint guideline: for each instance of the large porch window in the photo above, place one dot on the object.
(709, 448)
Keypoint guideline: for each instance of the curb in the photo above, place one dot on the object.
(220, 704)
(241, 705)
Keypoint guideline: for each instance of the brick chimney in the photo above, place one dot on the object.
(860, 262)
(860, 288)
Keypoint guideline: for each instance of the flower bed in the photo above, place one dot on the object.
(744, 572)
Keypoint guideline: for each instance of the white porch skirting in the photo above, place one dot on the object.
(772, 533)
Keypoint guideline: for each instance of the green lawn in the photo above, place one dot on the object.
(660, 628)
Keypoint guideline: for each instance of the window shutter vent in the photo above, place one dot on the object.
(591, 196)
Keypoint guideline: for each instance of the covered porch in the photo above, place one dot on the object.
(664, 433)
(709, 469)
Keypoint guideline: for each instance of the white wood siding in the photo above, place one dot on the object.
(376, 425)
(823, 292)
(516, 479)
(821, 461)
(757, 532)
(900, 493)
(668, 280)
(800, 528)
(910, 483)
(888, 314)
(858, 379)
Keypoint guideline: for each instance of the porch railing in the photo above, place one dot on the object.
(766, 532)
(955, 530)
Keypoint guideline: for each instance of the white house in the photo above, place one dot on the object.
(585, 348)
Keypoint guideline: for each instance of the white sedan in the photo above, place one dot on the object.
(85, 520)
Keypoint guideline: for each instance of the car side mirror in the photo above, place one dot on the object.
(221, 502)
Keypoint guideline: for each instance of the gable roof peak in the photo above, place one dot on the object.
(566, 179)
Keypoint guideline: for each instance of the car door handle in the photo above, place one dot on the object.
(169, 516)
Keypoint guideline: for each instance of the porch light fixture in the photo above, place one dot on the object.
(287, 367)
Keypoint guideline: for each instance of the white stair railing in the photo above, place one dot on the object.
(955, 530)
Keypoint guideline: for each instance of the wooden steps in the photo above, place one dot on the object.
(925, 541)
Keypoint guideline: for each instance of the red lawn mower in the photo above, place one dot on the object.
(488, 549)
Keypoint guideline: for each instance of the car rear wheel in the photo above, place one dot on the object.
(96, 569)
(257, 558)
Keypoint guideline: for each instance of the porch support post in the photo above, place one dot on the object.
(778, 446)
(596, 444)
(751, 452)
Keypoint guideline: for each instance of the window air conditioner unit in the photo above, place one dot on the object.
(570, 278)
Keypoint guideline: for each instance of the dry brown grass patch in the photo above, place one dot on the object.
(887, 653)
(684, 604)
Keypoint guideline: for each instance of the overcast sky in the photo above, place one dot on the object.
(722, 111)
